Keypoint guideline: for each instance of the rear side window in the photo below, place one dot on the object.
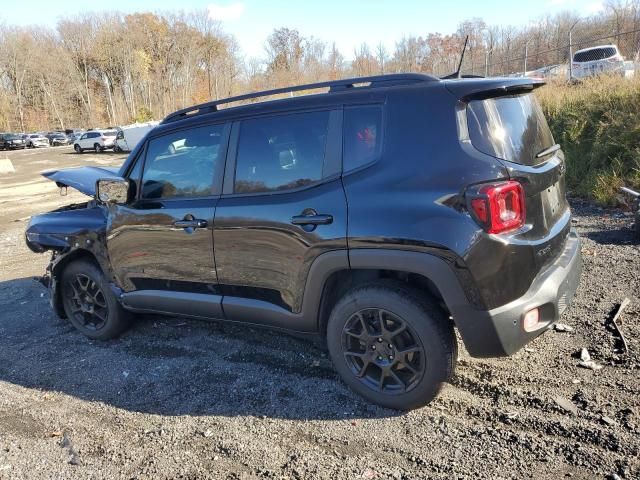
(182, 164)
(362, 140)
(281, 153)
(595, 54)
(512, 128)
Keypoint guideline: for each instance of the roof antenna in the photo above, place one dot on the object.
(457, 73)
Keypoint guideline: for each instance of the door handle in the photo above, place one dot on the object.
(194, 223)
(312, 219)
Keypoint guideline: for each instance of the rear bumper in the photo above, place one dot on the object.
(499, 332)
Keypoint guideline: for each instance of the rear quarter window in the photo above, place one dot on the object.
(362, 141)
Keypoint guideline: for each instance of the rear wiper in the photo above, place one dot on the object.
(547, 151)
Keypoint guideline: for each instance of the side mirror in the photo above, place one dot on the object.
(112, 190)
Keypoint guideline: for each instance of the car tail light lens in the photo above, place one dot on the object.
(498, 207)
(103, 138)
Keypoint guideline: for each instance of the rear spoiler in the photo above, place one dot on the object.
(468, 89)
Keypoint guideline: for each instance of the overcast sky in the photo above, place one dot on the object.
(347, 22)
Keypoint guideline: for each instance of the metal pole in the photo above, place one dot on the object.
(526, 52)
(570, 57)
(486, 64)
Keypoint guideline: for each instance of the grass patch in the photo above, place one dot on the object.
(597, 122)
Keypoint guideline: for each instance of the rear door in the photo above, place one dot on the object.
(282, 207)
(161, 244)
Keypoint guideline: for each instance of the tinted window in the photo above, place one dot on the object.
(134, 173)
(595, 54)
(362, 135)
(109, 133)
(280, 153)
(511, 128)
(182, 164)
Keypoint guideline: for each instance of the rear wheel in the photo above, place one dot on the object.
(97, 148)
(77, 148)
(89, 303)
(391, 344)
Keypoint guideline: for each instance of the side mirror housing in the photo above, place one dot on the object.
(112, 190)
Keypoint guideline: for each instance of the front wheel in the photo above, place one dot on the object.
(391, 344)
(89, 303)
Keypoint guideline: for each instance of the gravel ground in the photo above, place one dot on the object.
(186, 399)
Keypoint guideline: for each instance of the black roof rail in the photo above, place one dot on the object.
(333, 85)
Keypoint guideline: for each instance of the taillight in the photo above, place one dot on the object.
(103, 138)
(498, 207)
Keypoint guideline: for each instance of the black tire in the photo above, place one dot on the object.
(89, 303)
(420, 370)
(97, 148)
(77, 148)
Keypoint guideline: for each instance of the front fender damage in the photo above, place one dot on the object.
(71, 232)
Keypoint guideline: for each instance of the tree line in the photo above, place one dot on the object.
(113, 68)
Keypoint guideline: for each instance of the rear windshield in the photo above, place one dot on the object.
(109, 133)
(512, 128)
(595, 54)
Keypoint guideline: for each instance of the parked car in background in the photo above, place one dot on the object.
(597, 60)
(74, 136)
(97, 140)
(130, 135)
(10, 141)
(35, 140)
(58, 139)
(552, 71)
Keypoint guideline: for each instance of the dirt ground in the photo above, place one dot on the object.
(186, 399)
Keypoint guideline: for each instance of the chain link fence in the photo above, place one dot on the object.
(577, 57)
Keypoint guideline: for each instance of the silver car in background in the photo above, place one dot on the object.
(35, 140)
(597, 60)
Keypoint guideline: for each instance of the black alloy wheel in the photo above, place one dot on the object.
(87, 302)
(382, 351)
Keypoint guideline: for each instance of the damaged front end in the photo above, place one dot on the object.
(69, 232)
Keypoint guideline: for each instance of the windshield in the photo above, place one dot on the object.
(512, 128)
(12, 137)
(594, 54)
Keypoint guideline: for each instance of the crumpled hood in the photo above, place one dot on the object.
(82, 179)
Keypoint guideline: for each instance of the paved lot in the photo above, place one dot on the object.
(186, 399)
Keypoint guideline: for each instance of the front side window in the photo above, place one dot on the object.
(281, 153)
(362, 142)
(182, 164)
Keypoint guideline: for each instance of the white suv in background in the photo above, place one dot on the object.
(596, 60)
(97, 140)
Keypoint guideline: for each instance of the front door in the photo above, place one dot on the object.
(283, 206)
(161, 243)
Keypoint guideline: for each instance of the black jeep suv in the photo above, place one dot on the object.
(380, 214)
